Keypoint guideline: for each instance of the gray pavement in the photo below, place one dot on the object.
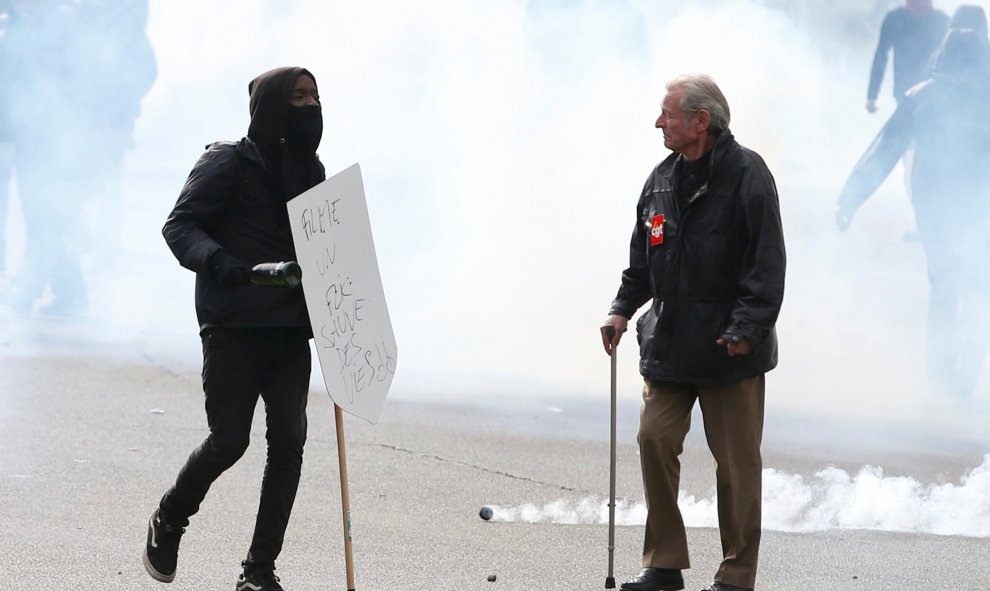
(88, 443)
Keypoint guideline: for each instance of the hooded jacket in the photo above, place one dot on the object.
(232, 214)
(713, 269)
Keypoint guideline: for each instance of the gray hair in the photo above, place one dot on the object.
(701, 92)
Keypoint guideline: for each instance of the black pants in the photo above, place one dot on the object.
(239, 365)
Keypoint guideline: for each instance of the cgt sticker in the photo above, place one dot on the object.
(656, 229)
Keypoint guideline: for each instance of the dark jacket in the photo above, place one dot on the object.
(232, 211)
(718, 271)
(914, 38)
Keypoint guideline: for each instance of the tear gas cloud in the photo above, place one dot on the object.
(504, 145)
(832, 498)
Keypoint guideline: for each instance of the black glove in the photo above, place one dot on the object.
(229, 270)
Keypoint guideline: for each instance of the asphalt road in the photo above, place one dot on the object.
(91, 437)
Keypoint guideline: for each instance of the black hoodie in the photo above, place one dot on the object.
(231, 214)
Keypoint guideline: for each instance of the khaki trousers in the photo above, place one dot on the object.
(733, 419)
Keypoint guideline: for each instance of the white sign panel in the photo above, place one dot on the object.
(344, 295)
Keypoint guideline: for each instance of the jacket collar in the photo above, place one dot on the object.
(668, 168)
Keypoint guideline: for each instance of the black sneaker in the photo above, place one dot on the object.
(162, 549)
(258, 578)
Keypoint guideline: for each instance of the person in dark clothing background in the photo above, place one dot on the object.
(945, 118)
(231, 215)
(75, 73)
(708, 250)
(913, 32)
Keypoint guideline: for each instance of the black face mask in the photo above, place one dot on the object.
(304, 128)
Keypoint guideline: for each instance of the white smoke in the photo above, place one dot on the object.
(831, 499)
(504, 145)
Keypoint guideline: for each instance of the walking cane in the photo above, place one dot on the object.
(610, 579)
(345, 498)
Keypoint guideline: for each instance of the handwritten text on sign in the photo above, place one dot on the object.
(344, 294)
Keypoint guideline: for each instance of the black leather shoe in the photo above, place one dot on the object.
(716, 586)
(655, 579)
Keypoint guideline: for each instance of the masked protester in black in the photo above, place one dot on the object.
(232, 215)
(945, 119)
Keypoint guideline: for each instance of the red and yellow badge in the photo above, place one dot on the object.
(656, 229)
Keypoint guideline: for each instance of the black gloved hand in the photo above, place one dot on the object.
(229, 270)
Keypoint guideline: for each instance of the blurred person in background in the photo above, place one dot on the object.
(945, 119)
(912, 33)
(77, 72)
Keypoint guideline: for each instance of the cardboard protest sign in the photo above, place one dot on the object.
(344, 295)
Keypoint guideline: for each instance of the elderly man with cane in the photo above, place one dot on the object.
(708, 250)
